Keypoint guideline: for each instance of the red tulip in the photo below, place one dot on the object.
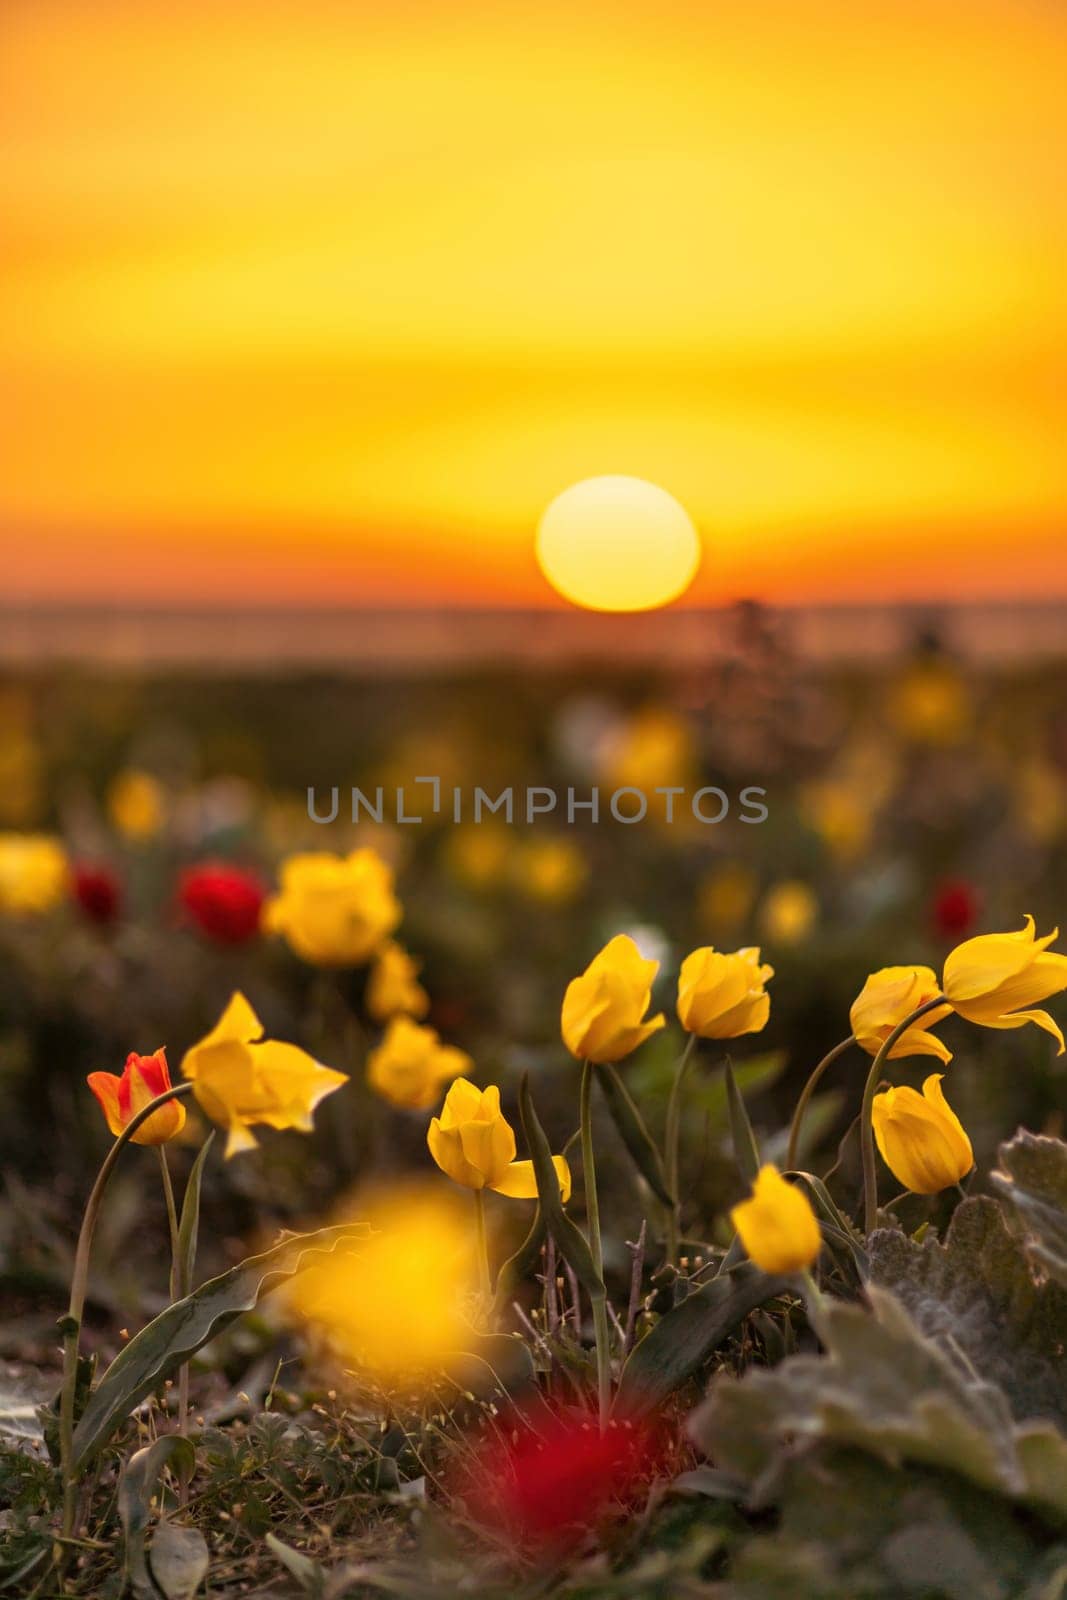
(954, 909)
(98, 892)
(224, 901)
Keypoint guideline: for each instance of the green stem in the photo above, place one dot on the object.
(178, 1290)
(805, 1095)
(671, 1140)
(870, 1170)
(592, 1211)
(78, 1286)
(485, 1282)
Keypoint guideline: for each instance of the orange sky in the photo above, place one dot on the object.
(324, 301)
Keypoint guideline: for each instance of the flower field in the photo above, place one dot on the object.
(525, 1203)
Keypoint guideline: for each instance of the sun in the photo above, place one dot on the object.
(617, 544)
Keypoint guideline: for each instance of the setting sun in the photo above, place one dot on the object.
(617, 544)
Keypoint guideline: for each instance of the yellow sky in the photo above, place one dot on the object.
(327, 300)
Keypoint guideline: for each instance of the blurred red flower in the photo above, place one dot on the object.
(224, 901)
(544, 1482)
(98, 891)
(954, 909)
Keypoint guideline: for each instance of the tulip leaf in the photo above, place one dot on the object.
(837, 1229)
(684, 1337)
(179, 1560)
(977, 1293)
(568, 1236)
(140, 1478)
(1033, 1177)
(633, 1132)
(189, 1225)
(746, 1150)
(184, 1327)
(521, 1264)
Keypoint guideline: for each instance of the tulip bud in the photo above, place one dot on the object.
(777, 1225)
(921, 1139)
(603, 1009)
(721, 996)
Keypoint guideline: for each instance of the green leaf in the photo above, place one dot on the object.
(189, 1225)
(1033, 1178)
(633, 1132)
(184, 1327)
(684, 1337)
(836, 1227)
(309, 1574)
(497, 1363)
(140, 1478)
(976, 1293)
(568, 1237)
(179, 1560)
(746, 1150)
(521, 1264)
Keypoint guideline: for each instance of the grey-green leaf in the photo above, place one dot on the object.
(633, 1132)
(684, 1337)
(139, 1480)
(189, 1226)
(1033, 1177)
(184, 1327)
(179, 1560)
(568, 1236)
(746, 1150)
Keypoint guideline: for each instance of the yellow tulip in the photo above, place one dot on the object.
(922, 1140)
(721, 996)
(988, 979)
(603, 1010)
(137, 804)
(240, 1078)
(334, 910)
(411, 1066)
(393, 988)
(789, 912)
(777, 1225)
(473, 1142)
(890, 995)
(550, 870)
(34, 873)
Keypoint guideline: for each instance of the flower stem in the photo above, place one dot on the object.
(805, 1095)
(671, 1138)
(178, 1290)
(485, 1283)
(592, 1211)
(870, 1170)
(71, 1323)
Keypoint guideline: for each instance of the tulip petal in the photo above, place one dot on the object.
(980, 965)
(1018, 1019)
(105, 1086)
(520, 1183)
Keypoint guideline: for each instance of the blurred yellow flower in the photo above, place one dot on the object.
(721, 996)
(20, 776)
(1041, 800)
(477, 854)
(777, 1225)
(653, 749)
(988, 979)
(550, 870)
(726, 896)
(393, 987)
(240, 1078)
(395, 1306)
(788, 912)
(411, 1066)
(930, 703)
(890, 995)
(34, 873)
(921, 1139)
(604, 1010)
(841, 814)
(334, 910)
(473, 1142)
(137, 804)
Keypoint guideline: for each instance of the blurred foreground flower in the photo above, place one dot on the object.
(98, 892)
(777, 1225)
(239, 1078)
(988, 979)
(137, 804)
(143, 1078)
(545, 1484)
(890, 995)
(604, 1010)
(411, 1066)
(922, 1141)
(788, 912)
(393, 987)
(224, 901)
(474, 1143)
(721, 996)
(396, 1308)
(334, 910)
(34, 873)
